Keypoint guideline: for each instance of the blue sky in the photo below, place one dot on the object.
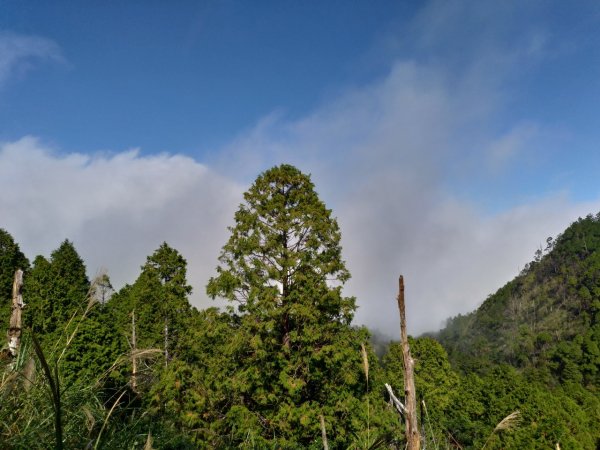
(185, 76)
(449, 137)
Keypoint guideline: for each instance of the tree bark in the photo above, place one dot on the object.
(166, 342)
(413, 437)
(133, 354)
(323, 432)
(14, 330)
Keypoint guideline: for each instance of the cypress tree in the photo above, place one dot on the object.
(297, 355)
(56, 289)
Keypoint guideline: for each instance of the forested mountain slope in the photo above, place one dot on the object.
(545, 321)
(535, 345)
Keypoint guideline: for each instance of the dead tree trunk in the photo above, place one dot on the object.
(413, 437)
(14, 330)
(323, 432)
(166, 342)
(133, 354)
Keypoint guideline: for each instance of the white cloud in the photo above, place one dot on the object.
(116, 208)
(19, 53)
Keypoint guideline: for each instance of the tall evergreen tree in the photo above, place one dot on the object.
(39, 311)
(168, 268)
(159, 299)
(70, 285)
(71, 323)
(56, 289)
(298, 357)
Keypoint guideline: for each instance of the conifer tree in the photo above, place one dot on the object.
(56, 289)
(69, 285)
(298, 356)
(35, 286)
(159, 298)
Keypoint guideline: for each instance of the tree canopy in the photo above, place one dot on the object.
(284, 250)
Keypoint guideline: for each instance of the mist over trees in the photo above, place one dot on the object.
(282, 366)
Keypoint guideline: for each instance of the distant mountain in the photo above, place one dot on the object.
(545, 322)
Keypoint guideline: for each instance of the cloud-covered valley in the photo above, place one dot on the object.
(383, 157)
(426, 166)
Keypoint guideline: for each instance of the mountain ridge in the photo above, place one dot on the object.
(546, 320)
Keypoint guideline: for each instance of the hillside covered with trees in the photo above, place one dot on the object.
(282, 366)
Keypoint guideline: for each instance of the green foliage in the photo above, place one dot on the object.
(545, 324)
(38, 411)
(284, 253)
(11, 259)
(296, 355)
(93, 348)
(435, 382)
(553, 303)
(547, 416)
(56, 290)
(159, 299)
(64, 312)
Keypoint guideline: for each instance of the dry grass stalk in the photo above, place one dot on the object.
(140, 355)
(29, 374)
(149, 440)
(90, 421)
(55, 391)
(429, 422)
(365, 360)
(508, 423)
(108, 417)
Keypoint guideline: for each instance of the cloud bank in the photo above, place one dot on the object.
(116, 208)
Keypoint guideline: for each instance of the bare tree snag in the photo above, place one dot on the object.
(413, 437)
(323, 432)
(133, 354)
(166, 342)
(394, 401)
(14, 330)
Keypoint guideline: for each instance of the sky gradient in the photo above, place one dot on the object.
(450, 138)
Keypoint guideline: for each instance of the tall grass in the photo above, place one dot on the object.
(37, 410)
(54, 387)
